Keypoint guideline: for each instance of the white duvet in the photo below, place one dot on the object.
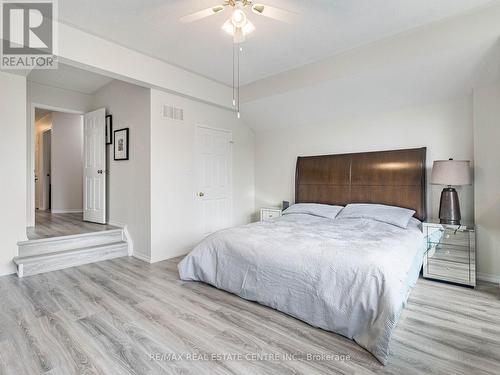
(349, 276)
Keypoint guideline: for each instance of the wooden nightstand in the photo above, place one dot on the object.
(269, 213)
(451, 253)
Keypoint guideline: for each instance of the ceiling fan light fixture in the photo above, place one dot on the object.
(248, 28)
(238, 33)
(228, 27)
(238, 18)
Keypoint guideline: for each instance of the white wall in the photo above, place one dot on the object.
(174, 229)
(59, 98)
(487, 180)
(129, 180)
(67, 162)
(12, 167)
(444, 128)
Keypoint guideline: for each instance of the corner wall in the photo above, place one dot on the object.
(487, 180)
(128, 198)
(12, 167)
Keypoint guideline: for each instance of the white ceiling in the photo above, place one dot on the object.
(69, 78)
(322, 28)
(429, 65)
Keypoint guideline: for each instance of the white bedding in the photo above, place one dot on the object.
(349, 276)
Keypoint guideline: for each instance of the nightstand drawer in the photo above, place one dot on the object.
(449, 253)
(450, 236)
(458, 272)
(269, 214)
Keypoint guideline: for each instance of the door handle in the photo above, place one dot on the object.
(99, 171)
(201, 194)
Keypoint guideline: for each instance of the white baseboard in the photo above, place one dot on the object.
(66, 211)
(488, 277)
(116, 224)
(8, 270)
(144, 258)
(181, 253)
(128, 236)
(130, 241)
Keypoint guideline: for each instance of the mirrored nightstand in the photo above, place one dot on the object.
(451, 253)
(269, 213)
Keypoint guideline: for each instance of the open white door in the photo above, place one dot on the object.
(94, 169)
(213, 170)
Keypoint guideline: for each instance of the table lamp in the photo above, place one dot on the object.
(450, 173)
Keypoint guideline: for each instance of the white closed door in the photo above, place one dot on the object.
(94, 159)
(213, 176)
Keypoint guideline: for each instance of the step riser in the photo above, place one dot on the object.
(56, 244)
(53, 262)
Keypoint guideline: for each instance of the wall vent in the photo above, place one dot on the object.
(173, 113)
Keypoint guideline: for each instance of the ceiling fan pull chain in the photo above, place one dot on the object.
(238, 83)
(234, 90)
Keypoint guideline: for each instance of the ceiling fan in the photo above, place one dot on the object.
(238, 25)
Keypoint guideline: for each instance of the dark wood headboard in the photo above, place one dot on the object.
(396, 178)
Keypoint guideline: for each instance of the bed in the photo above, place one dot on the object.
(351, 277)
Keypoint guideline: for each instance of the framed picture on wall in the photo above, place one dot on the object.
(121, 144)
(109, 129)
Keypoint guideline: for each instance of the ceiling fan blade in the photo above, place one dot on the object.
(274, 13)
(202, 14)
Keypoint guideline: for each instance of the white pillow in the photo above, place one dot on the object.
(315, 209)
(397, 216)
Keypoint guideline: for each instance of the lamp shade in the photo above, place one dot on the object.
(451, 172)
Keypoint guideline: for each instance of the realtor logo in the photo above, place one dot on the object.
(28, 34)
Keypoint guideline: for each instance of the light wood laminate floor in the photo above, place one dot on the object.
(124, 316)
(49, 225)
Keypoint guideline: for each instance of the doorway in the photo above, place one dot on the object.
(43, 141)
(43, 196)
(63, 144)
